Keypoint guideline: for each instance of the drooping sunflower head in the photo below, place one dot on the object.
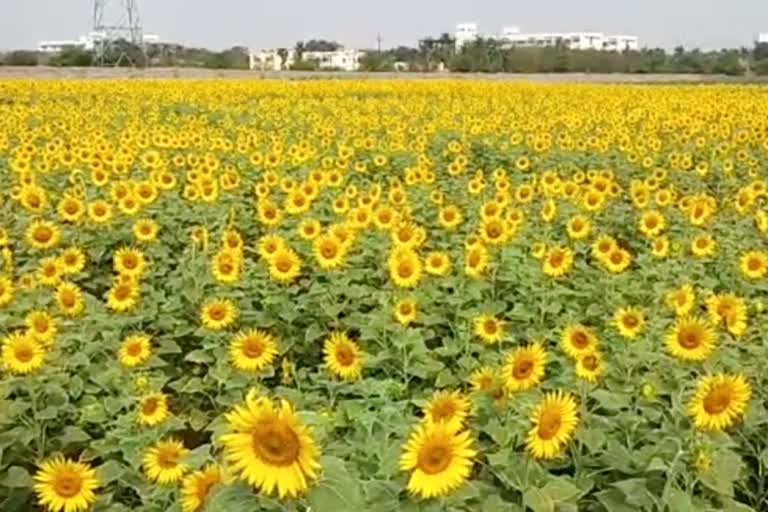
(252, 350)
(691, 339)
(475, 260)
(439, 458)
(525, 367)
(720, 401)
(270, 448)
(343, 357)
(65, 485)
(554, 421)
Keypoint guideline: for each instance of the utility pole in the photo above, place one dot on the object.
(378, 42)
(116, 22)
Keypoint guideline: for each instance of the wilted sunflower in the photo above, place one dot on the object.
(440, 460)
(590, 367)
(270, 448)
(557, 261)
(578, 341)
(629, 321)
(720, 401)
(63, 485)
(489, 329)
(135, 350)
(343, 356)
(41, 326)
(729, 310)
(525, 367)
(252, 350)
(218, 314)
(691, 339)
(22, 354)
(405, 311)
(448, 407)
(554, 422)
(153, 410)
(405, 268)
(285, 265)
(329, 252)
(682, 300)
(162, 462)
(197, 485)
(754, 264)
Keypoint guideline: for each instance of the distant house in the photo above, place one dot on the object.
(512, 36)
(278, 59)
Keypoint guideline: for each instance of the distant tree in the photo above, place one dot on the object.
(321, 45)
(377, 61)
(300, 50)
(73, 57)
(21, 58)
(760, 51)
(283, 54)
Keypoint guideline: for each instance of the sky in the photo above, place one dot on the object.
(218, 24)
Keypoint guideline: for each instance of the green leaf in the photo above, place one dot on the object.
(538, 501)
(73, 435)
(16, 476)
(199, 356)
(636, 492)
(494, 503)
(229, 498)
(337, 489)
(726, 467)
(110, 471)
(679, 501)
(560, 490)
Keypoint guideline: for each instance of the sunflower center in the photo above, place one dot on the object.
(490, 326)
(67, 484)
(590, 362)
(449, 216)
(130, 261)
(651, 223)
(204, 486)
(145, 229)
(24, 354)
(49, 270)
(41, 324)
(604, 247)
(405, 269)
(328, 251)
(68, 299)
(345, 355)
(689, 338)
(150, 406)
(556, 259)
(630, 321)
(43, 234)
(717, 400)
(71, 208)
(616, 258)
(122, 292)
(133, 349)
(702, 243)
(70, 260)
(434, 458)
(523, 369)
(253, 348)
(493, 231)
(754, 264)
(549, 424)
(284, 264)
(276, 444)
(217, 312)
(474, 259)
(405, 309)
(580, 340)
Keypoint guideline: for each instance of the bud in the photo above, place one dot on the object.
(649, 391)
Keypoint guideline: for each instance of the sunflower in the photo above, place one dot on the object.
(450, 217)
(344, 234)
(343, 356)
(253, 350)
(285, 265)
(554, 422)
(70, 209)
(578, 341)
(72, 261)
(406, 311)
(218, 314)
(494, 231)
(525, 367)
(475, 260)
(162, 462)
(682, 300)
(578, 227)
(153, 409)
(43, 234)
(754, 264)
(22, 354)
(63, 485)
(226, 266)
(703, 246)
(145, 230)
(100, 212)
(437, 263)
(629, 321)
(196, 487)
(590, 367)
(730, 310)
(720, 401)
(329, 252)
(660, 247)
(557, 261)
(7, 291)
(309, 229)
(489, 329)
(269, 245)
(691, 339)
(129, 262)
(652, 223)
(448, 407)
(270, 448)
(41, 326)
(405, 268)
(440, 460)
(49, 273)
(618, 260)
(124, 295)
(135, 350)
(603, 246)
(485, 379)
(69, 299)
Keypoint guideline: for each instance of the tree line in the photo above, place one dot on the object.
(432, 54)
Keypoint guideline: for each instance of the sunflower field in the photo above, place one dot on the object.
(374, 296)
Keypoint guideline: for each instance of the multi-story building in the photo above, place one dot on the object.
(761, 38)
(512, 36)
(87, 43)
(285, 58)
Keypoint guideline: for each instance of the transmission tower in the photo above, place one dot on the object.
(116, 26)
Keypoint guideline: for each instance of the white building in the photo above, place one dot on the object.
(277, 60)
(762, 38)
(467, 32)
(86, 43)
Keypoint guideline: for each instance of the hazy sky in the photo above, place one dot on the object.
(707, 24)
